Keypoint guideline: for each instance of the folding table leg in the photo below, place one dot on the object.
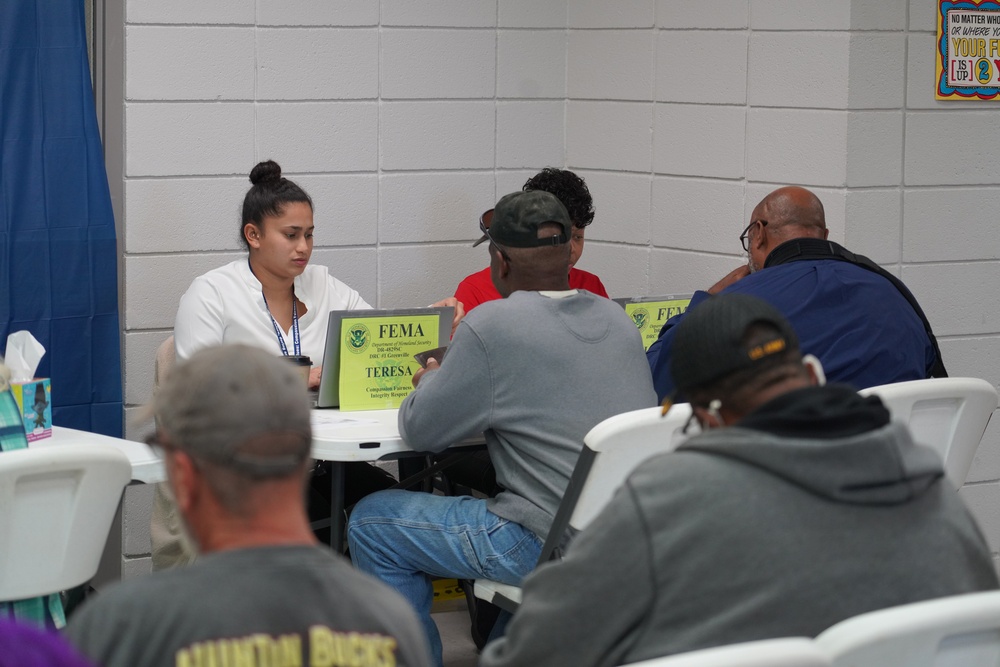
(337, 519)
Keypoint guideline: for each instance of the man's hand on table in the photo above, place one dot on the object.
(315, 373)
(432, 365)
(730, 278)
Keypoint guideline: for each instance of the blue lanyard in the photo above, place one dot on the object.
(296, 341)
(295, 327)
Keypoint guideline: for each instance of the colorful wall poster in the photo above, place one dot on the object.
(967, 62)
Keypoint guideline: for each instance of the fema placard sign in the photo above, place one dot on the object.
(376, 357)
(968, 57)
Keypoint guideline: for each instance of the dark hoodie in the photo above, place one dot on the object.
(813, 509)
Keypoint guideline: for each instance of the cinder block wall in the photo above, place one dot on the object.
(406, 118)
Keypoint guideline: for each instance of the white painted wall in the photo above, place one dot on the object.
(406, 118)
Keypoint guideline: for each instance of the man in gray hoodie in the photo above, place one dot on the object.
(808, 508)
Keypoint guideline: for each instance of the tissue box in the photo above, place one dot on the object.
(34, 399)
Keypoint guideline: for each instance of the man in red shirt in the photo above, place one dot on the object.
(572, 191)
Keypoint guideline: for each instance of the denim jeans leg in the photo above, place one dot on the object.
(405, 537)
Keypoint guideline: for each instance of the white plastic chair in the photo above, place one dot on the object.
(789, 652)
(957, 631)
(611, 451)
(57, 507)
(948, 414)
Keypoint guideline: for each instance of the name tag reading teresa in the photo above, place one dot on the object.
(376, 358)
(649, 315)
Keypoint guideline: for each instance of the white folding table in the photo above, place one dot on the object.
(364, 435)
(338, 437)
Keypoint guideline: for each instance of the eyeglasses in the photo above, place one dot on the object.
(745, 236)
(159, 446)
(484, 226)
(692, 422)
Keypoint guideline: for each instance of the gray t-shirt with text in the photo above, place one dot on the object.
(274, 606)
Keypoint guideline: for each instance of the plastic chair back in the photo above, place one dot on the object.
(58, 504)
(790, 652)
(957, 631)
(612, 450)
(947, 414)
(619, 444)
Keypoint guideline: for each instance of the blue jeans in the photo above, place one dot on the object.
(405, 537)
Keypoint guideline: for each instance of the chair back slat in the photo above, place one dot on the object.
(58, 504)
(956, 631)
(620, 444)
(949, 415)
(786, 652)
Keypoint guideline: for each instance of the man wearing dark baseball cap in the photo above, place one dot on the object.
(518, 217)
(798, 506)
(534, 372)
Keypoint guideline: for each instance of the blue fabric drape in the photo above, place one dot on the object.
(58, 253)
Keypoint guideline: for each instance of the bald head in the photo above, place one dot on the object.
(785, 214)
(795, 208)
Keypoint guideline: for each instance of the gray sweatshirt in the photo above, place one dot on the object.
(535, 373)
(744, 534)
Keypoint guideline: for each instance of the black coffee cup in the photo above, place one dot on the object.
(303, 362)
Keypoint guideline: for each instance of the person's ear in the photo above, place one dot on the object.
(182, 473)
(252, 234)
(814, 369)
(503, 265)
(759, 241)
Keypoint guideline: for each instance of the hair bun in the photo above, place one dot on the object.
(269, 170)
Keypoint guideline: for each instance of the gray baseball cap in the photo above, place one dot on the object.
(238, 407)
(517, 216)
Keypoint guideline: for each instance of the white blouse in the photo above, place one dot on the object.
(226, 305)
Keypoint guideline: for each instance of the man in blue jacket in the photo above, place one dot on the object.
(859, 320)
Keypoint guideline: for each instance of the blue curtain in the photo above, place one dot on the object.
(58, 254)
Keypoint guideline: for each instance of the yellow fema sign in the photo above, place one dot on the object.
(376, 358)
(649, 316)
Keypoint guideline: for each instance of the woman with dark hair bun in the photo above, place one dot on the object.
(276, 300)
(273, 299)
